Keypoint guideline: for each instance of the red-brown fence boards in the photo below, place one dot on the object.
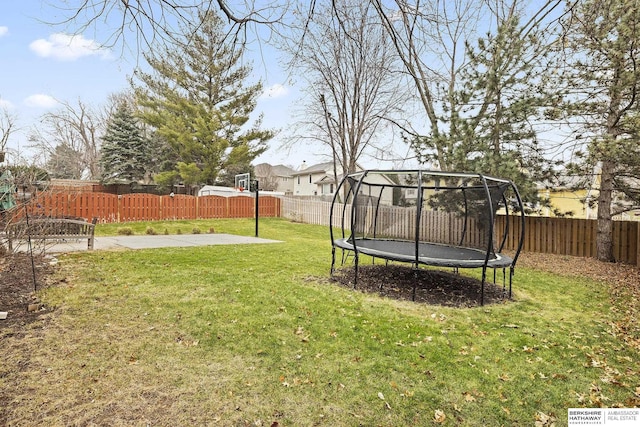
(148, 207)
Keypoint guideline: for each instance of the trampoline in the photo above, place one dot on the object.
(429, 218)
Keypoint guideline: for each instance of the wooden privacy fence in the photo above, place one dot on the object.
(576, 237)
(148, 207)
(559, 236)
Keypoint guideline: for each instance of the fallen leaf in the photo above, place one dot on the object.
(380, 395)
(439, 416)
(468, 397)
(504, 377)
(407, 393)
(544, 420)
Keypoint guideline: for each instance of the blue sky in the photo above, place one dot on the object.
(41, 64)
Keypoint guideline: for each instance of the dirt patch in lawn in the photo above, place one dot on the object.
(431, 286)
(18, 287)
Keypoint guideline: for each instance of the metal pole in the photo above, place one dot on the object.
(257, 204)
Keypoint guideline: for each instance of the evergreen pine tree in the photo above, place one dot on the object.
(124, 155)
(65, 162)
(602, 80)
(197, 100)
(486, 117)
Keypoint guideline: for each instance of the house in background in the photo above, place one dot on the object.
(319, 181)
(569, 198)
(277, 178)
(564, 201)
(315, 180)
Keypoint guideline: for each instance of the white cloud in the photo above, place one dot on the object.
(275, 91)
(3, 30)
(67, 47)
(5, 105)
(40, 100)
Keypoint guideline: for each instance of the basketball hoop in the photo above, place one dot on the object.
(243, 182)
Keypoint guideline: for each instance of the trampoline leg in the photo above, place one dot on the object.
(510, 280)
(504, 281)
(484, 279)
(355, 276)
(333, 260)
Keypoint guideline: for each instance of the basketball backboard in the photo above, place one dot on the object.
(243, 181)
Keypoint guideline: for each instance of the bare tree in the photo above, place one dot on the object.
(353, 84)
(267, 178)
(433, 41)
(7, 127)
(73, 130)
(140, 24)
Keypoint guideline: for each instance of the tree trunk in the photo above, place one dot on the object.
(604, 234)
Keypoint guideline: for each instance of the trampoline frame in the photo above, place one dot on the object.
(490, 257)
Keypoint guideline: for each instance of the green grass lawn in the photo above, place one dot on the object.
(257, 334)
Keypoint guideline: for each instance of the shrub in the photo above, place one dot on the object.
(179, 231)
(195, 230)
(166, 231)
(125, 231)
(150, 231)
(211, 230)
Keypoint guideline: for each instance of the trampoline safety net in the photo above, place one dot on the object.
(428, 217)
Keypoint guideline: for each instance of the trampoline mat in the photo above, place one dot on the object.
(428, 253)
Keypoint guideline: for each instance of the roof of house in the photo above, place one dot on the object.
(277, 170)
(282, 170)
(318, 168)
(327, 179)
